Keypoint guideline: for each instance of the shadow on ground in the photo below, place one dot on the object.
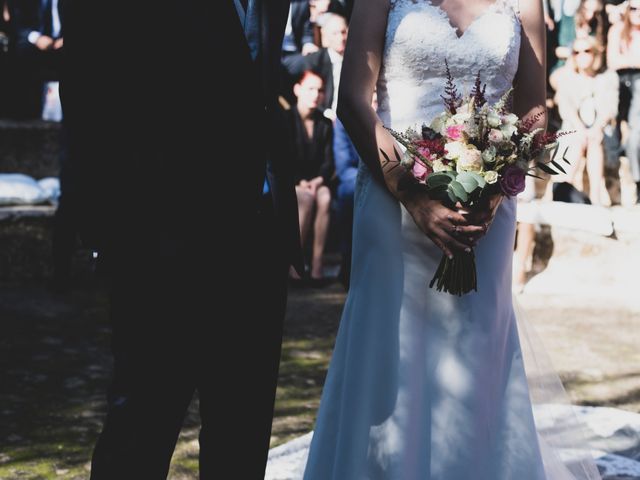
(55, 367)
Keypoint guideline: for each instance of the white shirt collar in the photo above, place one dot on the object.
(334, 56)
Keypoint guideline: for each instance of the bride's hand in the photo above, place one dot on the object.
(447, 228)
(484, 214)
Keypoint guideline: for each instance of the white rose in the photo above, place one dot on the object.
(508, 130)
(491, 177)
(438, 124)
(454, 149)
(439, 166)
(460, 118)
(510, 119)
(489, 155)
(470, 160)
(494, 119)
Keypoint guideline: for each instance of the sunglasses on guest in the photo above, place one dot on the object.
(586, 50)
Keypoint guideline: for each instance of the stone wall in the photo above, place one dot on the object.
(30, 147)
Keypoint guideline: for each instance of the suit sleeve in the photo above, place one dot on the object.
(345, 155)
(307, 32)
(25, 21)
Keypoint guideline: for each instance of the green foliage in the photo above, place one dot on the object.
(457, 192)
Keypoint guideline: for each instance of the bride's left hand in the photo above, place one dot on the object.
(484, 214)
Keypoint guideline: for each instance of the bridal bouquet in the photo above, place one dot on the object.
(472, 150)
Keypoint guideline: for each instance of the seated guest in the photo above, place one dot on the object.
(316, 9)
(623, 56)
(328, 61)
(298, 36)
(298, 41)
(38, 30)
(342, 7)
(587, 99)
(312, 142)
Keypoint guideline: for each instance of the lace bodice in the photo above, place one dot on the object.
(420, 37)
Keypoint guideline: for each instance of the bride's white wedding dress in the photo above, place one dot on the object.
(422, 384)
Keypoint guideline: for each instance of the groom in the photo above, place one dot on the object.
(195, 256)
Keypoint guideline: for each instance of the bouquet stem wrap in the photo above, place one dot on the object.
(456, 275)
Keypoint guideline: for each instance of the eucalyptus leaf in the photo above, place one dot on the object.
(468, 181)
(452, 196)
(437, 179)
(458, 190)
(438, 193)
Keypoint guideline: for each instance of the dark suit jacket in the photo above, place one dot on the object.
(151, 125)
(320, 62)
(31, 15)
(345, 155)
(301, 26)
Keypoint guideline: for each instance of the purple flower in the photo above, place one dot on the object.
(512, 181)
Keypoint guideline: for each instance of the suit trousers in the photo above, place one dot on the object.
(174, 335)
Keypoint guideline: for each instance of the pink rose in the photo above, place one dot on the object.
(512, 181)
(420, 171)
(495, 136)
(454, 132)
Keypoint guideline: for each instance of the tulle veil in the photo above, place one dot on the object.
(561, 435)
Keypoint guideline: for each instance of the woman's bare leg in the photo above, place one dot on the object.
(320, 230)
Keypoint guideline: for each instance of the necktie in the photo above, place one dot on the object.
(47, 18)
(252, 25)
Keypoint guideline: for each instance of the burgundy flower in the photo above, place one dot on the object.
(424, 151)
(434, 147)
(512, 181)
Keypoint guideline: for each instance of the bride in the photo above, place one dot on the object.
(426, 385)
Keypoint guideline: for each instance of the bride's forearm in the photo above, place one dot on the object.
(360, 69)
(371, 138)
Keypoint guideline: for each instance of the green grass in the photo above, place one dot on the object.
(55, 367)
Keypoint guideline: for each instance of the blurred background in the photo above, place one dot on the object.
(576, 260)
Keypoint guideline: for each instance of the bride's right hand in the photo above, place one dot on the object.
(448, 229)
